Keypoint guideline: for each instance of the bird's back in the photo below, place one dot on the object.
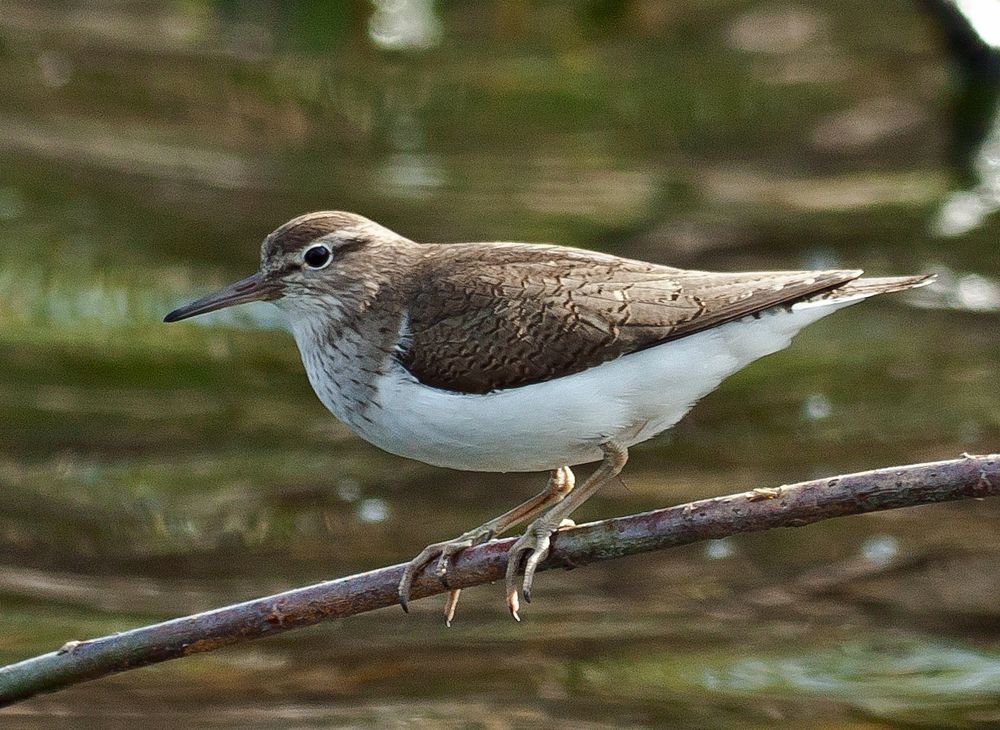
(485, 317)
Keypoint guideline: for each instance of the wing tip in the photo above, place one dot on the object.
(888, 284)
(858, 288)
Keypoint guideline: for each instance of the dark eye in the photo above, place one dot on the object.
(317, 257)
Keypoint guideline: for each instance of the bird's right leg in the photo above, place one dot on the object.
(560, 484)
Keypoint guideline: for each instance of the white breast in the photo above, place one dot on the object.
(563, 421)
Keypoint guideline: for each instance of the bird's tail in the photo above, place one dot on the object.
(862, 288)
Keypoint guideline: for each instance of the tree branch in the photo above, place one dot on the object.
(761, 509)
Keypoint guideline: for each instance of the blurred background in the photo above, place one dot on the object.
(149, 471)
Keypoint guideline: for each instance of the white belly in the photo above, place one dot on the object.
(564, 421)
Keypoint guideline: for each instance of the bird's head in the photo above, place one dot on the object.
(313, 256)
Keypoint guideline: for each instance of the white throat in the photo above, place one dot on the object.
(334, 355)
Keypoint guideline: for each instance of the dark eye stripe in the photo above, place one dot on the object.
(285, 270)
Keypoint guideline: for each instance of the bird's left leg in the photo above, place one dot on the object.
(536, 540)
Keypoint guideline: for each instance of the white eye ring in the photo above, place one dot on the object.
(317, 257)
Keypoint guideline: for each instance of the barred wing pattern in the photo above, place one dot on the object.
(528, 313)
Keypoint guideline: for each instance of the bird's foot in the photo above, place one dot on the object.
(443, 551)
(533, 548)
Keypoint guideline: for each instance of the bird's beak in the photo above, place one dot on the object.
(251, 289)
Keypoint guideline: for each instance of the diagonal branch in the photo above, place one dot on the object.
(761, 509)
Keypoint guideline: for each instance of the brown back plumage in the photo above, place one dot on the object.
(483, 317)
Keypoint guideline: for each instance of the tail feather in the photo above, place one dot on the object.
(862, 288)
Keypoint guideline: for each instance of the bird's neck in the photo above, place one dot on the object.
(347, 341)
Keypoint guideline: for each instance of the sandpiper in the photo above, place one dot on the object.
(518, 357)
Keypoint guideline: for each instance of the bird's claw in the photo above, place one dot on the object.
(534, 544)
(443, 551)
(449, 607)
(532, 547)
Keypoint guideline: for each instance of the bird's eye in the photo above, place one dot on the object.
(316, 257)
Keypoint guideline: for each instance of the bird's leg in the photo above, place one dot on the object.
(560, 484)
(534, 543)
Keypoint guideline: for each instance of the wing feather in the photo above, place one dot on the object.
(485, 317)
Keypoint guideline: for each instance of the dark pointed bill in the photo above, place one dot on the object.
(251, 289)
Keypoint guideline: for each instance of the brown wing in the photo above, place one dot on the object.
(484, 317)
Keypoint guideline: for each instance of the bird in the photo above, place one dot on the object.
(518, 357)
